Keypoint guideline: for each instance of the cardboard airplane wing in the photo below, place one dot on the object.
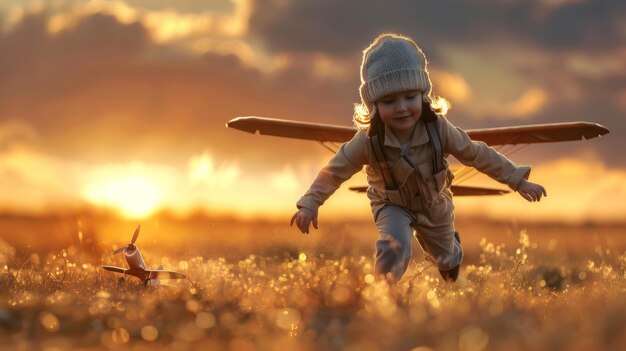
(526, 134)
(457, 190)
(538, 133)
(292, 129)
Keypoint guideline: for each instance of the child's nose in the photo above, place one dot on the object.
(401, 106)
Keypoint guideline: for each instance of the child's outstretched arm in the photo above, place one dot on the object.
(489, 161)
(349, 160)
(303, 218)
(531, 191)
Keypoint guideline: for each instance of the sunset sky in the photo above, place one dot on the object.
(122, 104)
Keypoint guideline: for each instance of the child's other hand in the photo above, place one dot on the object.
(303, 219)
(531, 191)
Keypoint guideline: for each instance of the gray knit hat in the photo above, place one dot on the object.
(391, 64)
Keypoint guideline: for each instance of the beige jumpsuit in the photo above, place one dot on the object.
(425, 201)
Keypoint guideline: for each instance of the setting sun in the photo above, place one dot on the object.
(131, 191)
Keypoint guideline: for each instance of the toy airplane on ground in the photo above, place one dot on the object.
(137, 266)
(331, 136)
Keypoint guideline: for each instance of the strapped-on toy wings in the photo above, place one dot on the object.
(331, 135)
(527, 134)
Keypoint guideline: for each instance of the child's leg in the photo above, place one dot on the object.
(452, 274)
(438, 236)
(393, 248)
(444, 246)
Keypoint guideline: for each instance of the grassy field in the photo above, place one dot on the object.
(262, 286)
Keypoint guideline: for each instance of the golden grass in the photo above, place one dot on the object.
(514, 293)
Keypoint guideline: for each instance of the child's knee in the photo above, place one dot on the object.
(398, 245)
(392, 257)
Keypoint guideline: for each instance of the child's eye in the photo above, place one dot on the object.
(387, 102)
(411, 97)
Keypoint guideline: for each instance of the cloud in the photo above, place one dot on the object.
(620, 100)
(529, 103)
(101, 93)
(203, 171)
(452, 86)
(220, 25)
(164, 23)
(104, 90)
(597, 66)
(303, 26)
(34, 182)
(15, 133)
(539, 54)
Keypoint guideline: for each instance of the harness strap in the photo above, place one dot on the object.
(435, 140)
(430, 118)
(390, 184)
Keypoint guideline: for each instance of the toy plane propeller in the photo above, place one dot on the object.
(137, 266)
(513, 138)
(131, 245)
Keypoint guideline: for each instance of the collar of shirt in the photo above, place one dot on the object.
(420, 136)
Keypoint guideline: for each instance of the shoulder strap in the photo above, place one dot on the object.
(379, 155)
(435, 140)
(430, 119)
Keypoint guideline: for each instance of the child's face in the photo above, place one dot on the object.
(401, 111)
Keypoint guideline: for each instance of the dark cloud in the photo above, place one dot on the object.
(39, 66)
(596, 104)
(593, 25)
(319, 26)
(101, 37)
(343, 27)
(95, 38)
(95, 93)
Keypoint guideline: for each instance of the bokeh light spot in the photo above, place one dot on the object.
(149, 333)
(49, 321)
(120, 336)
(205, 320)
(288, 319)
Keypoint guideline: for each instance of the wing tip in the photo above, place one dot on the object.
(239, 123)
(598, 131)
(603, 130)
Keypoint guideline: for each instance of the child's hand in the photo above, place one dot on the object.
(531, 191)
(303, 219)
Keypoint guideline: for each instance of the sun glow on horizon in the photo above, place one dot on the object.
(130, 190)
(35, 182)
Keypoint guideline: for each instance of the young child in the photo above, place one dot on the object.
(403, 144)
